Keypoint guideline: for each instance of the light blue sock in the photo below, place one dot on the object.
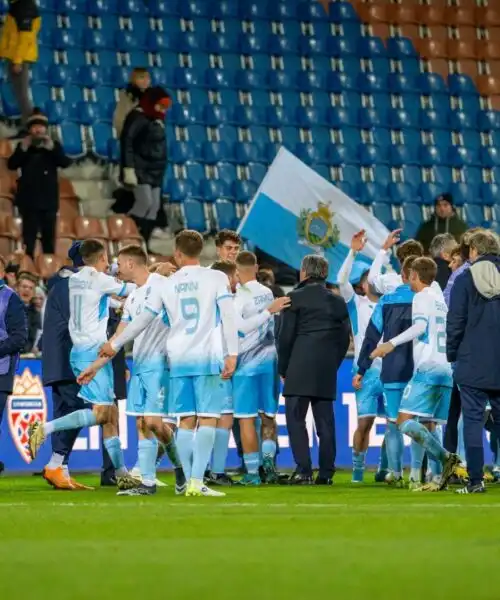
(383, 464)
(394, 446)
(221, 447)
(251, 462)
(148, 450)
(202, 450)
(461, 441)
(75, 420)
(423, 436)
(114, 449)
(184, 440)
(269, 449)
(417, 453)
(358, 460)
(436, 466)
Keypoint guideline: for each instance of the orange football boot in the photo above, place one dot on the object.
(80, 486)
(57, 479)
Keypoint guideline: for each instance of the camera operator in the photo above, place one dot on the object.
(38, 158)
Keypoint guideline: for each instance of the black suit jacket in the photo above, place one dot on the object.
(313, 341)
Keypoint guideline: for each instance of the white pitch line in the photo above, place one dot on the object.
(222, 504)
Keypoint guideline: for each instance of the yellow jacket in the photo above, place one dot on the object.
(18, 42)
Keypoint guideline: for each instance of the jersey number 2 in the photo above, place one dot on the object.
(190, 309)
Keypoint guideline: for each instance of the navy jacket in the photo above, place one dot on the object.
(17, 330)
(391, 316)
(473, 325)
(56, 339)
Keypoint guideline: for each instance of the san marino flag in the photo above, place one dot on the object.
(296, 212)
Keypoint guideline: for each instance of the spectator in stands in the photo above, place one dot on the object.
(26, 287)
(18, 46)
(144, 157)
(11, 272)
(140, 81)
(444, 220)
(440, 249)
(456, 260)
(38, 158)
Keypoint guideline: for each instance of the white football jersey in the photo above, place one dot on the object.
(150, 346)
(257, 349)
(429, 350)
(89, 296)
(360, 309)
(190, 298)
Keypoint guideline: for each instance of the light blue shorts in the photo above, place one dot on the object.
(147, 396)
(101, 389)
(426, 400)
(227, 406)
(254, 394)
(392, 402)
(370, 398)
(202, 395)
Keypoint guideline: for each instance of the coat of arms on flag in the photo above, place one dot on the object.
(26, 405)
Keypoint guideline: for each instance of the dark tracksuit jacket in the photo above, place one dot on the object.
(391, 316)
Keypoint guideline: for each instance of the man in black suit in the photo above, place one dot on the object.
(313, 341)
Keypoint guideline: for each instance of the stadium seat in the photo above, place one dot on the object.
(194, 215)
(225, 215)
(48, 264)
(122, 227)
(179, 189)
(89, 227)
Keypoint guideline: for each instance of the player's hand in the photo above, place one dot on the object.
(130, 177)
(26, 142)
(107, 351)
(279, 304)
(86, 376)
(358, 241)
(166, 269)
(357, 382)
(382, 350)
(17, 68)
(392, 239)
(229, 367)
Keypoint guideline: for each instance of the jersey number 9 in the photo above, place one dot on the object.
(190, 309)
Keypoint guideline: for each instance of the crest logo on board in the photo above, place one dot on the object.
(26, 405)
(316, 228)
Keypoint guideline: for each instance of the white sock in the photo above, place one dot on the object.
(56, 461)
(48, 428)
(415, 475)
(121, 472)
(65, 471)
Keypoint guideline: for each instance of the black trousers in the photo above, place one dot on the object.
(3, 404)
(35, 222)
(65, 400)
(324, 420)
(474, 402)
(451, 432)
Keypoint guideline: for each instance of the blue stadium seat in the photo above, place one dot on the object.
(402, 193)
(194, 8)
(489, 157)
(473, 215)
(278, 116)
(381, 136)
(91, 77)
(57, 112)
(226, 172)
(400, 48)
(369, 154)
(370, 117)
(130, 40)
(337, 154)
(256, 172)
(401, 119)
(410, 67)
(157, 42)
(341, 12)
(402, 84)
(225, 215)
(252, 10)
(280, 11)
(470, 104)
(308, 81)
(38, 73)
(371, 192)
(429, 119)
(461, 85)
(464, 193)
(432, 155)
(98, 7)
(383, 213)
(40, 94)
(244, 191)
(368, 83)
(442, 138)
(194, 215)
(64, 38)
(61, 75)
(459, 156)
(340, 82)
(431, 83)
(90, 112)
(339, 46)
(488, 120)
(271, 149)
(430, 191)
(195, 172)
(179, 189)
(459, 120)
(352, 66)
(442, 175)
(412, 174)
(185, 78)
(413, 214)
(347, 188)
(350, 173)
(280, 45)
(214, 189)
(101, 136)
(216, 79)
(248, 80)
(400, 155)
(490, 194)
(370, 46)
(473, 175)
(71, 138)
(311, 46)
(245, 152)
(67, 7)
(381, 174)
(95, 40)
(309, 153)
(251, 44)
(225, 9)
(308, 116)
(339, 117)
(411, 102)
(183, 152)
(73, 94)
(310, 11)
(184, 115)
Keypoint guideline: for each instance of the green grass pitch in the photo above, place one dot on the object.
(265, 543)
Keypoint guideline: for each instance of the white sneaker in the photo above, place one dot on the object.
(202, 490)
(160, 483)
(136, 473)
